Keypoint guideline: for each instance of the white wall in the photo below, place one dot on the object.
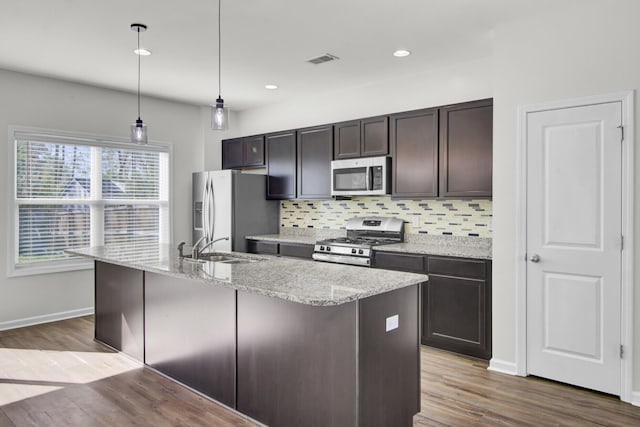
(586, 50)
(46, 103)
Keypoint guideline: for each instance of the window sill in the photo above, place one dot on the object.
(58, 267)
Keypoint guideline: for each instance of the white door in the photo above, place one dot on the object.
(574, 208)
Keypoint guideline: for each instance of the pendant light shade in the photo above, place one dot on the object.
(139, 129)
(139, 132)
(219, 116)
(219, 113)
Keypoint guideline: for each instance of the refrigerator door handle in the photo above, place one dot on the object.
(205, 208)
(212, 205)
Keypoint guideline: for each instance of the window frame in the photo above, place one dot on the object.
(59, 136)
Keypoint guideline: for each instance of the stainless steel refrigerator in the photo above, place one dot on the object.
(232, 204)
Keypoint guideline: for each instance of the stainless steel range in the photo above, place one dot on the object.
(362, 235)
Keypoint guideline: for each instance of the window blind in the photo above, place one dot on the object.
(75, 192)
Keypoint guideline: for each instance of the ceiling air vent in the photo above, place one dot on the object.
(323, 58)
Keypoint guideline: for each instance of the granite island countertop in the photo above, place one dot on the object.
(301, 281)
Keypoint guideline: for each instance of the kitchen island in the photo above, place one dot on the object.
(283, 341)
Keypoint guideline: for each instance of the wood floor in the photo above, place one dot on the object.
(55, 375)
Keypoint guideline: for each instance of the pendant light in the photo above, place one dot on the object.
(219, 114)
(139, 129)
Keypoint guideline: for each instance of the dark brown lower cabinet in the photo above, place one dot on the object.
(119, 308)
(296, 250)
(456, 301)
(190, 332)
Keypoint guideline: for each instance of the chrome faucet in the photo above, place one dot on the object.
(181, 248)
(196, 253)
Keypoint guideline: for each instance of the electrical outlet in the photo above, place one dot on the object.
(415, 221)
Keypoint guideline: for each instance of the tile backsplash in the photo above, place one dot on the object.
(437, 217)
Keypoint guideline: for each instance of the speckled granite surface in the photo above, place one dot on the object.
(458, 246)
(301, 281)
(300, 235)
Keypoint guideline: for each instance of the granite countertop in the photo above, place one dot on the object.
(307, 236)
(456, 246)
(301, 281)
(285, 238)
(464, 247)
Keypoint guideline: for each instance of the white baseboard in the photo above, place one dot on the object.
(496, 365)
(635, 398)
(46, 318)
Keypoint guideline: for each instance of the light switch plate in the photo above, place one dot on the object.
(392, 323)
(415, 221)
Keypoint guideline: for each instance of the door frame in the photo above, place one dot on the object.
(626, 313)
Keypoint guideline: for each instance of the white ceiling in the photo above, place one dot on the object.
(263, 41)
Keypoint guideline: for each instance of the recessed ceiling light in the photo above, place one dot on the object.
(142, 52)
(401, 52)
(271, 87)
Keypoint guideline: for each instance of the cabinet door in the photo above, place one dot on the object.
(413, 263)
(414, 147)
(232, 153)
(281, 165)
(297, 250)
(456, 309)
(262, 247)
(466, 156)
(253, 147)
(315, 152)
(346, 140)
(375, 136)
(119, 312)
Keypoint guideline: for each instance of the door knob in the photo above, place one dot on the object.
(535, 258)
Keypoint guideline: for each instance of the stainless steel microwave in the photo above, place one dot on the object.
(367, 176)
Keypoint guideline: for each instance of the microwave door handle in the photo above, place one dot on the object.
(370, 178)
(366, 178)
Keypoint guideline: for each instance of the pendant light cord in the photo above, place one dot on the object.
(219, 48)
(138, 31)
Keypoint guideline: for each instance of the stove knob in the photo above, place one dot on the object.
(328, 249)
(360, 251)
(353, 251)
(322, 248)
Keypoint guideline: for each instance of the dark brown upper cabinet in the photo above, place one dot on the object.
(466, 155)
(243, 152)
(361, 138)
(315, 152)
(414, 147)
(281, 165)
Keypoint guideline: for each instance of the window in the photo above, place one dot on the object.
(73, 191)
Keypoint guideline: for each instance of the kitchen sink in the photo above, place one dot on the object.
(219, 257)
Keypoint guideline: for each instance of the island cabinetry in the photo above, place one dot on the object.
(284, 375)
(119, 313)
(281, 165)
(315, 152)
(354, 364)
(361, 138)
(190, 334)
